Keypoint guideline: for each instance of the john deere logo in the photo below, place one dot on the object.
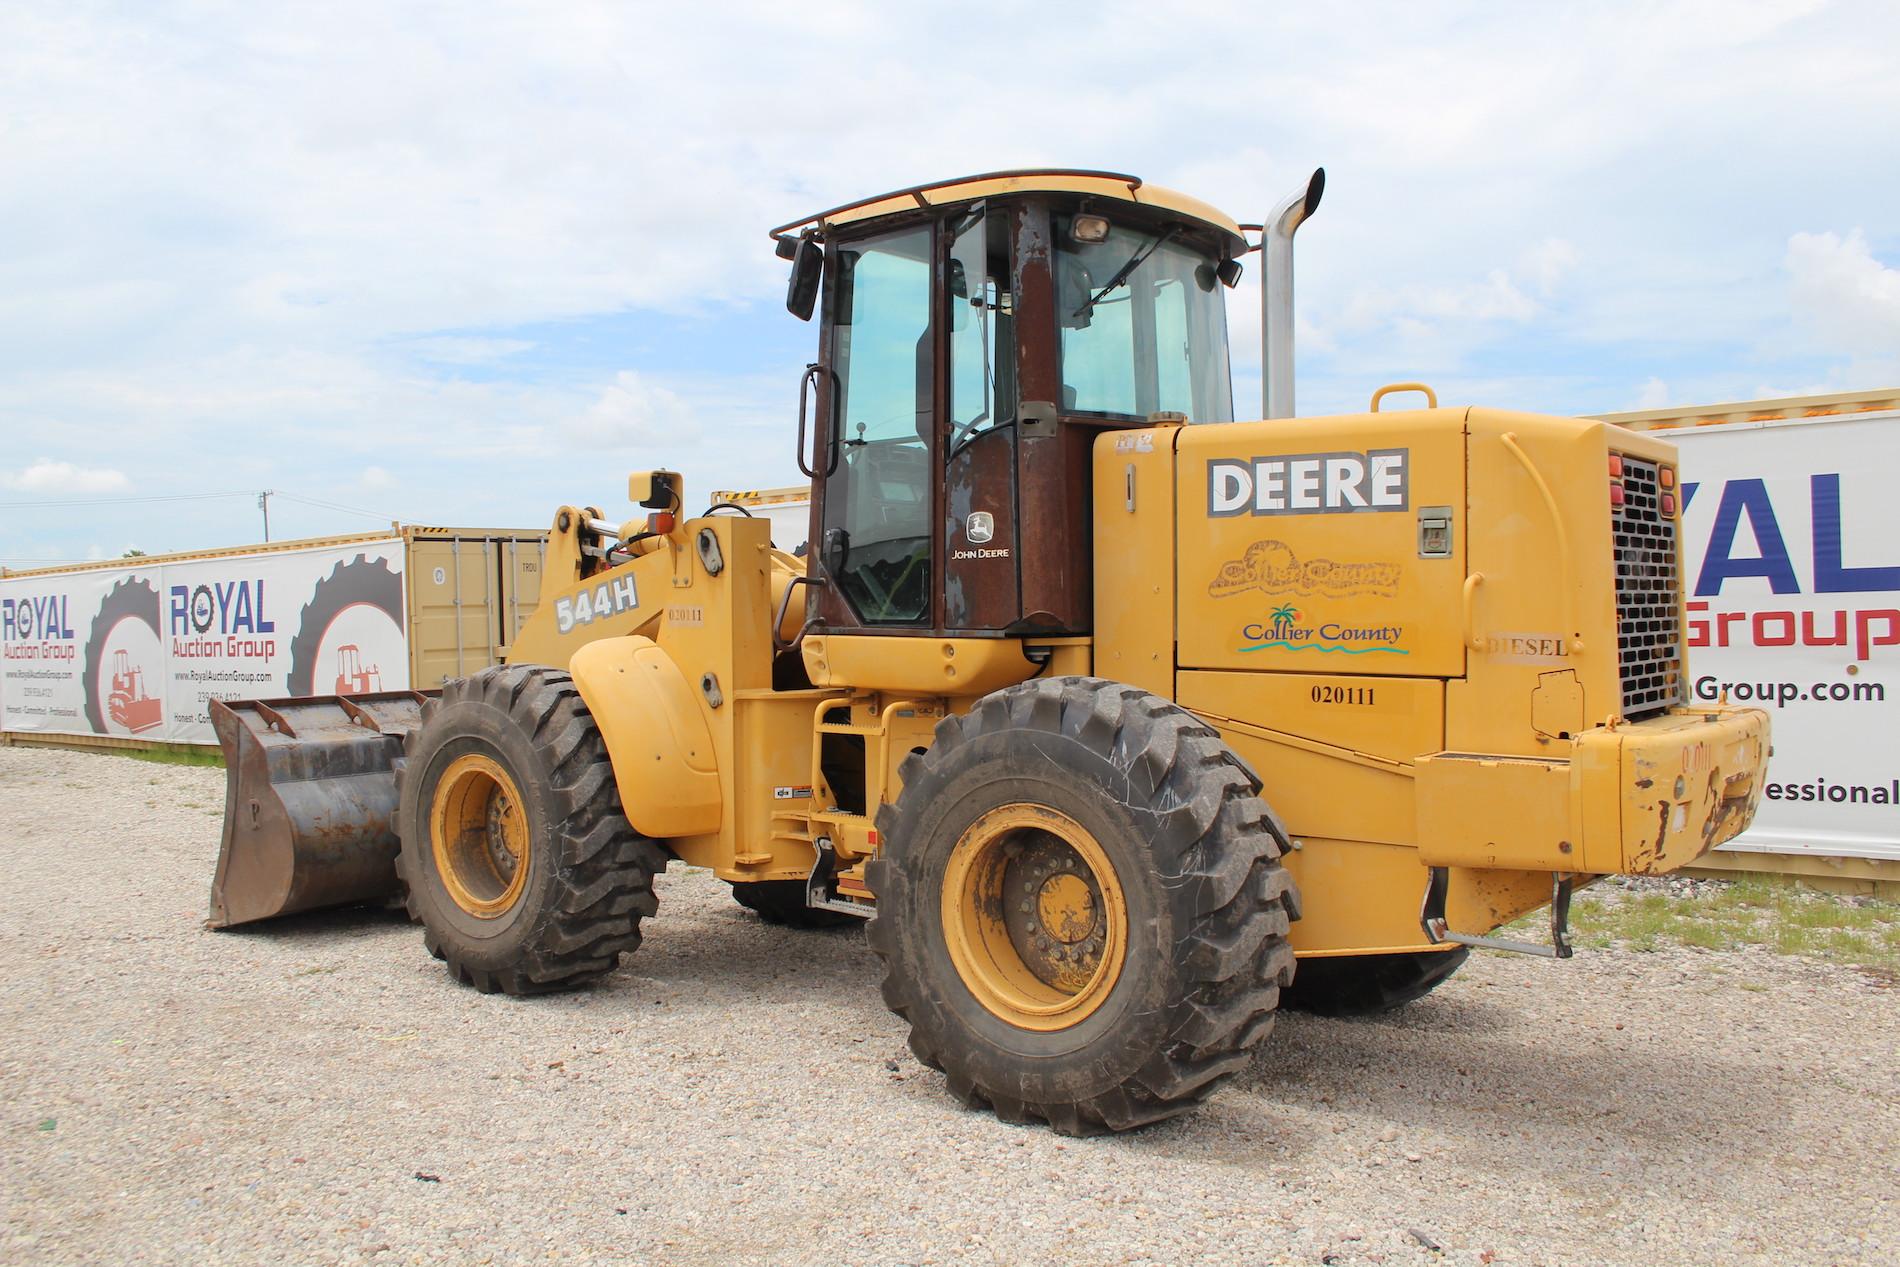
(1287, 628)
(1309, 484)
(979, 527)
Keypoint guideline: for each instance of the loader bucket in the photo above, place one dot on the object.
(309, 802)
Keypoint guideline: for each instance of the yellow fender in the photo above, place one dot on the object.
(664, 761)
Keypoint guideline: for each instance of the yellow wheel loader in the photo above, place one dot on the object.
(1102, 707)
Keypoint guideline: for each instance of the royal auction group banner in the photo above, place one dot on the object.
(139, 650)
(1792, 540)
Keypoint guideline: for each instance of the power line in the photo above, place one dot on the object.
(348, 510)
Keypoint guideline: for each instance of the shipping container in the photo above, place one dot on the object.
(130, 651)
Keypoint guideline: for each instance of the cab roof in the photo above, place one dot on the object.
(1115, 185)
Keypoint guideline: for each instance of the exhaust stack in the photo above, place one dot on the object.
(1276, 294)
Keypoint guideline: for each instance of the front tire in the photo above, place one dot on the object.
(1080, 906)
(517, 858)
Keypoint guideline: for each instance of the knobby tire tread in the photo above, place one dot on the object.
(603, 872)
(1216, 835)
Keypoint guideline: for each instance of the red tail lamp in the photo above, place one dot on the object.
(1616, 494)
(660, 521)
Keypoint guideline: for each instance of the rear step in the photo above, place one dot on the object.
(309, 802)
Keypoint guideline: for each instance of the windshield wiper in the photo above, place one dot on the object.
(1127, 270)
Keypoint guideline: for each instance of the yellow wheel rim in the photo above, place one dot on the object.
(479, 830)
(1034, 916)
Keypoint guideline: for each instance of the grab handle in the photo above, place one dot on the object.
(807, 386)
(1431, 397)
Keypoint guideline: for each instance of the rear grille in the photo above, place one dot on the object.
(1648, 613)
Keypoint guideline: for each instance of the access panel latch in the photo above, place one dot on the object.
(1438, 931)
(1434, 532)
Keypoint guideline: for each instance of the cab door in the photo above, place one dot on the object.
(878, 460)
(982, 553)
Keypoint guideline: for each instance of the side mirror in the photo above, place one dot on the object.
(1074, 289)
(808, 266)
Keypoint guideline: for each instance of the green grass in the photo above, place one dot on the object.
(162, 754)
(1751, 912)
(178, 755)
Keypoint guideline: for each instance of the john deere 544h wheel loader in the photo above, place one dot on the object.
(1102, 707)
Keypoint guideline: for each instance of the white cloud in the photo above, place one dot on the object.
(375, 479)
(633, 410)
(1545, 266)
(1654, 395)
(1841, 290)
(1437, 323)
(63, 479)
(461, 350)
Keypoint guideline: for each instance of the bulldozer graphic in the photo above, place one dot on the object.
(127, 702)
(352, 676)
(1091, 839)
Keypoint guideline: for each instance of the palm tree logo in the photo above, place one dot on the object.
(1284, 614)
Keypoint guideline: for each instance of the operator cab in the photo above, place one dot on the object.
(975, 337)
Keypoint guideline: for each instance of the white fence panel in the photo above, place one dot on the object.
(1792, 539)
(138, 651)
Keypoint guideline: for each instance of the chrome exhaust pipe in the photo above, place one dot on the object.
(1276, 294)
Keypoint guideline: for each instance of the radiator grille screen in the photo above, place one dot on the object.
(1648, 615)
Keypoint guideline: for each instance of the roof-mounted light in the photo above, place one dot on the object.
(1089, 230)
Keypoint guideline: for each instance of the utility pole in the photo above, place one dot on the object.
(263, 504)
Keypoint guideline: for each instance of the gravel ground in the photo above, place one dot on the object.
(319, 1091)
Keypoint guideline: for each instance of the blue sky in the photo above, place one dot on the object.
(460, 263)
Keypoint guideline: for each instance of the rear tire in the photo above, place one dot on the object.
(1080, 906)
(518, 861)
(782, 902)
(1365, 985)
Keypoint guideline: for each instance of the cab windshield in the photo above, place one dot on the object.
(1156, 340)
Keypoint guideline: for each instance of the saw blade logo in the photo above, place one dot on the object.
(1274, 568)
(1310, 484)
